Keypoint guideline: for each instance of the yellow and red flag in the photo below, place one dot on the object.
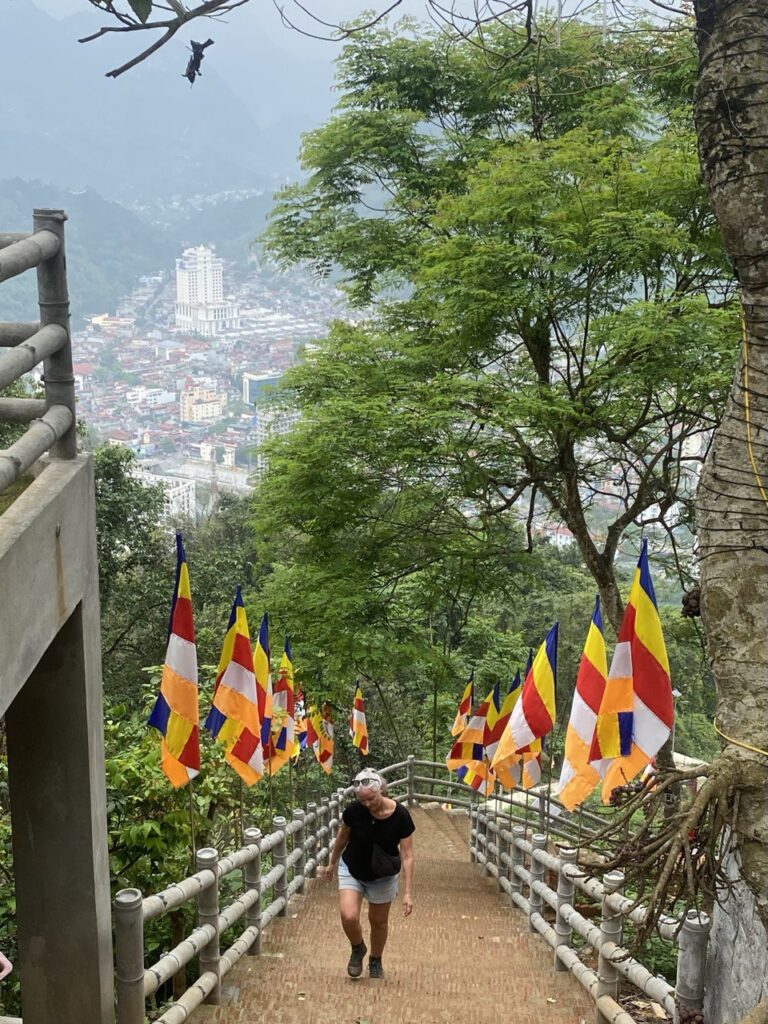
(175, 714)
(281, 748)
(320, 736)
(478, 775)
(464, 709)
(234, 716)
(358, 727)
(470, 746)
(578, 777)
(636, 710)
(534, 712)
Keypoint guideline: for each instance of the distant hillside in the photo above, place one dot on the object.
(147, 133)
(108, 247)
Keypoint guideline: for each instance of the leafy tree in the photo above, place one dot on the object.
(134, 569)
(550, 301)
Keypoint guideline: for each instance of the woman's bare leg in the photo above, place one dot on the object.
(378, 915)
(350, 903)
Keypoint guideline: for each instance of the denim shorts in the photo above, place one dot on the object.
(381, 890)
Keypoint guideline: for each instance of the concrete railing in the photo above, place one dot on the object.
(502, 840)
(52, 419)
(519, 860)
(278, 863)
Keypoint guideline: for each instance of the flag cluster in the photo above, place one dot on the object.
(622, 717)
(501, 742)
(619, 718)
(259, 728)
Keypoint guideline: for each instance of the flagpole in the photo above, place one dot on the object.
(193, 841)
(241, 837)
(271, 807)
(549, 786)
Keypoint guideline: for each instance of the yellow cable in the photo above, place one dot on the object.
(738, 743)
(745, 350)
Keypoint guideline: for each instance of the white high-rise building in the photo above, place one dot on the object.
(200, 304)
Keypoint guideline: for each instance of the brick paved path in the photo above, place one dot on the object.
(463, 957)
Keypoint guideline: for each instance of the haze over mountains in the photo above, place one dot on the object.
(149, 133)
(186, 164)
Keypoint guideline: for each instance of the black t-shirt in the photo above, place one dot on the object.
(364, 829)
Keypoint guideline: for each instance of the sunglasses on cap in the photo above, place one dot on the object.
(367, 782)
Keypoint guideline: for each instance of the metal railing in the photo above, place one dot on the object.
(501, 840)
(52, 419)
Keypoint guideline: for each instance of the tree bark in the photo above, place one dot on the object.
(731, 111)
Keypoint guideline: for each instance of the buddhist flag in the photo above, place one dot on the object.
(498, 716)
(283, 713)
(320, 736)
(358, 728)
(465, 707)
(636, 712)
(470, 746)
(478, 775)
(234, 717)
(175, 714)
(300, 730)
(534, 713)
(578, 777)
(263, 671)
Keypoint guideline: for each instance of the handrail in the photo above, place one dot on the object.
(502, 844)
(311, 831)
(508, 868)
(52, 422)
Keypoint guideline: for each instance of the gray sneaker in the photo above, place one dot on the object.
(375, 970)
(356, 957)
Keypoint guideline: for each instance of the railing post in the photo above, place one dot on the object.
(325, 822)
(482, 830)
(472, 829)
(313, 827)
(252, 880)
(129, 953)
(280, 856)
(535, 899)
(503, 844)
(298, 840)
(610, 931)
(565, 890)
(518, 834)
(54, 309)
(692, 954)
(411, 785)
(208, 913)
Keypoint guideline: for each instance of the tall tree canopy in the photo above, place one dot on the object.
(549, 299)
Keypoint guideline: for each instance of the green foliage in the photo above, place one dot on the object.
(141, 8)
(550, 304)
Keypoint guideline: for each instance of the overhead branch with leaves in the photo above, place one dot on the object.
(552, 310)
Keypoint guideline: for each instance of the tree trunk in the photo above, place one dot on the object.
(731, 110)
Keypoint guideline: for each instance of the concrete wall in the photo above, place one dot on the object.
(50, 693)
(737, 962)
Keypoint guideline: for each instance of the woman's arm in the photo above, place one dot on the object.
(5, 966)
(406, 856)
(342, 838)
